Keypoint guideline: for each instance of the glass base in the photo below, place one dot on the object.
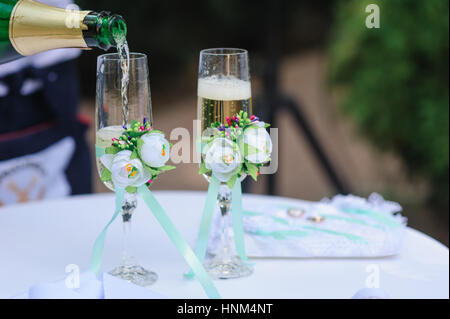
(227, 269)
(135, 274)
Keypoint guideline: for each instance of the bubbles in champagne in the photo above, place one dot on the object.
(222, 97)
(104, 138)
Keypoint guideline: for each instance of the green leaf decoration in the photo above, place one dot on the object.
(152, 171)
(133, 123)
(252, 170)
(112, 150)
(134, 155)
(137, 134)
(232, 181)
(157, 132)
(134, 134)
(131, 189)
(267, 125)
(251, 126)
(166, 168)
(139, 144)
(203, 169)
(250, 150)
(106, 175)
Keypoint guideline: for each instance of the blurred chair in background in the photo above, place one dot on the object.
(273, 101)
(43, 152)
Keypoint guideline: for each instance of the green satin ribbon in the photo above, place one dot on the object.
(282, 234)
(332, 232)
(205, 225)
(379, 217)
(179, 242)
(275, 218)
(351, 220)
(99, 151)
(207, 216)
(170, 229)
(97, 250)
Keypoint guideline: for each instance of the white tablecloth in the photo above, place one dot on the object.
(38, 241)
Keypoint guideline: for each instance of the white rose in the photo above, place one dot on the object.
(222, 159)
(260, 144)
(155, 150)
(125, 172)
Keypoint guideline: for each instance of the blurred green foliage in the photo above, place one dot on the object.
(395, 80)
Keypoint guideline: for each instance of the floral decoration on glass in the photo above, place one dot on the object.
(239, 147)
(137, 157)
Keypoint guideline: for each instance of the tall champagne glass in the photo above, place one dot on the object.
(224, 89)
(116, 107)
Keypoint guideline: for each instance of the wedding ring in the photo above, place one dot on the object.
(316, 219)
(296, 212)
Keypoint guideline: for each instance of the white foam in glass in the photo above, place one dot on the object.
(224, 89)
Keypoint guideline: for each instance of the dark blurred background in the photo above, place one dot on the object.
(359, 110)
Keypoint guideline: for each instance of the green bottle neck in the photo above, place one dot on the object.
(104, 30)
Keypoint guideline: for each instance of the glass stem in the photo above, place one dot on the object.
(226, 247)
(128, 208)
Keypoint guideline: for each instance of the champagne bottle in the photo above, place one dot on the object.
(28, 27)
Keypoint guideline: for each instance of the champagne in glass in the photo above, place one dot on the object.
(222, 97)
(111, 116)
(224, 89)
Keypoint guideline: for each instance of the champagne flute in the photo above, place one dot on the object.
(116, 107)
(224, 89)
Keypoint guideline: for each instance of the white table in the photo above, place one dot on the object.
(38, 241)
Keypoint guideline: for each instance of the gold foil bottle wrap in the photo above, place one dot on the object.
(35, 27)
